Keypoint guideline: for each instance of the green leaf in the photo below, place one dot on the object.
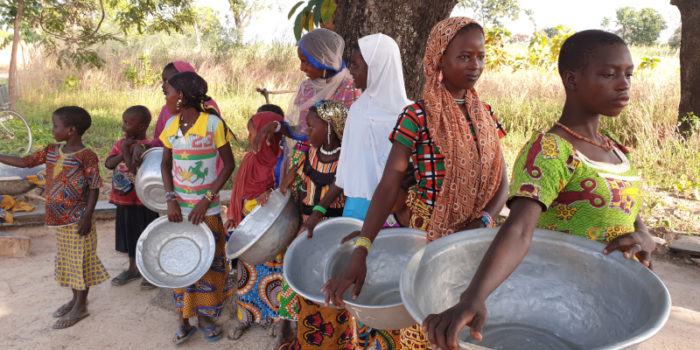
(297, 25)
(294, 8)
(317, 11)
(327, 10)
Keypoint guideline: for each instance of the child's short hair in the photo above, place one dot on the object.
(578, 47)
(74, 116)
(141, 112)
(269, 107)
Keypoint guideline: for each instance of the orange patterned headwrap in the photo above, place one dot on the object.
(472, 169)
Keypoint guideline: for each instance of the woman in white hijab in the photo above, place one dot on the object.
(370, 121)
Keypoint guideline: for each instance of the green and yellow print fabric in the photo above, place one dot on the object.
(599, 201)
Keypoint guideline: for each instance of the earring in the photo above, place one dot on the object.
(329, 134)
(324, 74)
(179, 102)
(440, 76)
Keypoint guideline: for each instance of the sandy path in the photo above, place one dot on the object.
(126, 317)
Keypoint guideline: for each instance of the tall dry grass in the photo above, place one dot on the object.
(527, 101)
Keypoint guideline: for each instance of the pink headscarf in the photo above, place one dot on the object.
(182, 66)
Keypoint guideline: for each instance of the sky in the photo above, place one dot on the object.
(272, 24)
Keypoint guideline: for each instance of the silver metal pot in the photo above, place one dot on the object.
(306, 259)
(174, 255)
(149, 181)
(564, 295)
(265, 231)
(379, 304)
(12, 180)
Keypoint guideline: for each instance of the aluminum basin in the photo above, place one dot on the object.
(265, 231)
(12, 180)
(564, 295)
(305, 261)
(149, 181)
(174, 255)
(379, 304)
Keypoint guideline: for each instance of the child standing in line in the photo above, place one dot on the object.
(258, 285)
(318, 327)
(132, 216)
(192, 139)
(72, 187)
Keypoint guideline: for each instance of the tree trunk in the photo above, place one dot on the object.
(13, 82)
(406, 21)
(690, 63)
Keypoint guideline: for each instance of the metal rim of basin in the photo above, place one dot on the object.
(487, 234)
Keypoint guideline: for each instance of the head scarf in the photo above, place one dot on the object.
(334, 113)
(256, 172)
(182, 66)
(372, 117)
(323, 49)
(472, 169)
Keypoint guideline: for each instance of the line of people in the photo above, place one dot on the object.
(352, 144)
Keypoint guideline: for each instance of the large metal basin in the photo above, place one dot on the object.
(175, 255)
(306, 260)
(564, 295)
(12, 180)
(379, 304)
(265, 231)
(149, 181)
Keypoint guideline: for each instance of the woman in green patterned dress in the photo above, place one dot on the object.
(574, 178)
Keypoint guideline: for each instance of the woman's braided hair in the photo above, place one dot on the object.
(194, 93)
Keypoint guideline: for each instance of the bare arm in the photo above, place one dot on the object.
(379, 209)
(496, 204)
(85, 224)
(12, 160)
(112, 161)
(229, 165)
(316, 216)
(505, 253)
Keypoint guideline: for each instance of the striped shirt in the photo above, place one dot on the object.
(194, 159)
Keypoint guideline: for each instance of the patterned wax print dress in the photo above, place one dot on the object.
(194, 170)
(69, 179)
(595, 200)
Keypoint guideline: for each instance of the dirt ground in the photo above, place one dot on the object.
(128, 318)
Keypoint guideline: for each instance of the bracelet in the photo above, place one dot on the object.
(210, 195)
(363, 242)
(279, 126)
(170, 196)
(487, 219)
(319, 209)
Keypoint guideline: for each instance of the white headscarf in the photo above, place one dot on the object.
(371, 118)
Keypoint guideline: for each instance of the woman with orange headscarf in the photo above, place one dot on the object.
(452, 138)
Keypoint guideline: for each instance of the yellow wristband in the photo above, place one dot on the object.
(363, 242)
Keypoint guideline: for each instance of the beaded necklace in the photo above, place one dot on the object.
(606, 146)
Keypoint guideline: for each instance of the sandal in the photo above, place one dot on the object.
(124, 277)
(65, 322)
(236, 332)
(183, 334)
(63, 310)
(209, 333)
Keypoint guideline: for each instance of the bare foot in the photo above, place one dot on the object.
(236, 330)
(71, 318)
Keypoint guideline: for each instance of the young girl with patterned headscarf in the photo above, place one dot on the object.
(452, 138)
(316, 175)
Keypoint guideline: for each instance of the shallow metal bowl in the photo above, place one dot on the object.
(149, 181)
(265, 231)
(305, 260)
(379, 304)
(564, 295)
(175, 255)
(12, 180)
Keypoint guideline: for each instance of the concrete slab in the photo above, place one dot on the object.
(14, 245)
(686, 245)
